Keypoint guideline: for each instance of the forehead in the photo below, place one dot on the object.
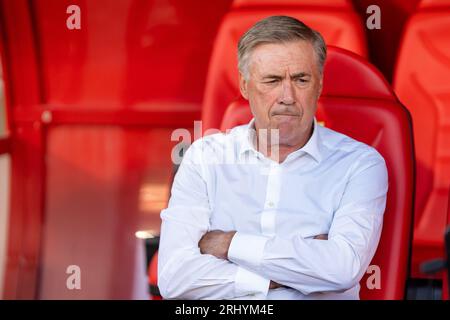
(298, 56)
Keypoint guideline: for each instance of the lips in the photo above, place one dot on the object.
(286, 114)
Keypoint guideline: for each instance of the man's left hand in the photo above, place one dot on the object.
(216, 243)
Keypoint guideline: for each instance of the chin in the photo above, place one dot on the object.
(288, 129)
(288, 138)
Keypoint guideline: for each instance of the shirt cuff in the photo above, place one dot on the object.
(249, 283)
(247, 249)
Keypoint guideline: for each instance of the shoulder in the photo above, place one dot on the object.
(340, 146)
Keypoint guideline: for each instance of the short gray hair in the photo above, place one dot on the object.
(279, 29)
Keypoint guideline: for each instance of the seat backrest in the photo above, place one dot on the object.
(422, 83)
(446, 279)
(434, 4)
(357, 101)
(152, 274)
(339, 25)
(319, 3)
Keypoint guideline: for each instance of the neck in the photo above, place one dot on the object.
(280, 151)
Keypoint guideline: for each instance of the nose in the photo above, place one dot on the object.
(287, 96)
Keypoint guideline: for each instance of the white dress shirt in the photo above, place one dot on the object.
(333, 185)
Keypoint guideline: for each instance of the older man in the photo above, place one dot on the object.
(294, 215)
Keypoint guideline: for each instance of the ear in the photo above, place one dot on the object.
(243, 86)
(320, 87)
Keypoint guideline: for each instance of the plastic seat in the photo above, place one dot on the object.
(446, 280)
(357, 101)
(422, 83)
(153, 278)
(338, 23)
(318, 3)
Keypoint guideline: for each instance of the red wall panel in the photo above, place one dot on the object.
(96, 199)
(127, 54)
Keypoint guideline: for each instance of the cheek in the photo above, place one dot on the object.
(262, 101)
(309, 99)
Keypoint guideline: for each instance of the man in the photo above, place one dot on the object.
(303, 218)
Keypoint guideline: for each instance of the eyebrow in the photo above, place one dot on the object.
(300, 75)
(293, 76)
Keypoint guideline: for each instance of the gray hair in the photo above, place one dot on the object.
(278, 29)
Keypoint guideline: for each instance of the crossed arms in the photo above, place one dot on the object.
(195, 263)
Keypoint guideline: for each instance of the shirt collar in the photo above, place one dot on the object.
(248, 138)
(313, 147)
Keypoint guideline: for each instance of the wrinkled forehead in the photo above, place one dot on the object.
(279, 58)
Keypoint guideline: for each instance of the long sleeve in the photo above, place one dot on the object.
(337, 264)
(183, 272)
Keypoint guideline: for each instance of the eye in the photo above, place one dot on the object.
(302, 80)
(271, 81)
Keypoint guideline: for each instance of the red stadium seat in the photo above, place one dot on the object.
(422, 83)
(338, 23)
(445, 282)
(320, 3)
(357, 101)
(434, 4)
(153, 278)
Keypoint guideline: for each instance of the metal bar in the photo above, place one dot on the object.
(107, 117)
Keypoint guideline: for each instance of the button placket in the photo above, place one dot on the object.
(268, 216)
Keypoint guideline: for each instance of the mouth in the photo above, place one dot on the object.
(285, 119)
(285, 115)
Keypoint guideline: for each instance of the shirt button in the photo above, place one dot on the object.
(271, 204)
